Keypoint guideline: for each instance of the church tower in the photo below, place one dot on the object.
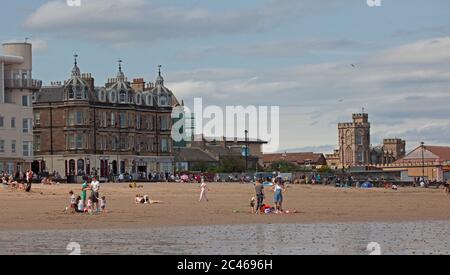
(354, 141)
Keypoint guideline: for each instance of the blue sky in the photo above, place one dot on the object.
(292, 53)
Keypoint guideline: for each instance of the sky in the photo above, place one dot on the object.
(320, 61)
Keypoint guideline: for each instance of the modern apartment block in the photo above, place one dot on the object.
(16, 111)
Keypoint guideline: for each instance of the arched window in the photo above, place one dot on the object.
(359, 138)
(349, 156)
(149, 100)
(80, 167)
(71, 167)
(114, 142)
(163, 100)
(71, 93)
(123, 96)
(113, 97)
(78, 92)
(138, 99)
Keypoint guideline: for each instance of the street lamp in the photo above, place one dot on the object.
(246, 151)
(422, 144)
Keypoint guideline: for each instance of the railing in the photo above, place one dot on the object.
(31, 84)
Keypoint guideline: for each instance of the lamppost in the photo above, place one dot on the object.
(422, 144)
(246, 150)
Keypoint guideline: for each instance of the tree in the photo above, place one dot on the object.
(284, 166)
(325, 169)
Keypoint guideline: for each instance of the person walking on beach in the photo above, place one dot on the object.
(259, 190)
(29, 179)
(203, 192)
(95, 194)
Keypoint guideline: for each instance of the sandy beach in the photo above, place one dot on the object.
(43, 209)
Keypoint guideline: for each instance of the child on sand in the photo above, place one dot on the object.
(204, 192)
(252, 205)
(103, 204)
(80, 205)
(88, 208)
(73, 203)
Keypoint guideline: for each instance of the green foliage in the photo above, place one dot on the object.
(325, 169)
(284, 167)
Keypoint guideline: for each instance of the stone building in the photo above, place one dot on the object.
(16, 112)
(392, 150)
(121, 127)
(354, 141)
(355, 147)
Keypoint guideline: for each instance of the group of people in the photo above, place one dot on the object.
(257, 203)
(10, 182)
(92, 204)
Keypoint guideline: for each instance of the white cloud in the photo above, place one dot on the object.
(401, 90)
(120, 21)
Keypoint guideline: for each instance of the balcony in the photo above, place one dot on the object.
(31, 84)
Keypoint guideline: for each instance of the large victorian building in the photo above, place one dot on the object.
(121, 127)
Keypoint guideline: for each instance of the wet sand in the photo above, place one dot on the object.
(411, 238)
(43, 209)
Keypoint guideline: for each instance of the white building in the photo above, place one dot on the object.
(16, 111)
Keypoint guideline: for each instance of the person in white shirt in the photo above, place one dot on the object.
(95, 194)
(203, 191)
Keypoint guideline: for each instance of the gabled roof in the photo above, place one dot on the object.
(430, 154)
(50, 94)
(221, 151)
(192, 155)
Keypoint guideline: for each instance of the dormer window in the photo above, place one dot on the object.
(138, 99)
(78, 92)
(112, 97)
(163, 100)
(123, 96)
(149, 101)
(71, 94)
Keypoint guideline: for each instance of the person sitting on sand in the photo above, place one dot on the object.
(134, 185)
(89, 209)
